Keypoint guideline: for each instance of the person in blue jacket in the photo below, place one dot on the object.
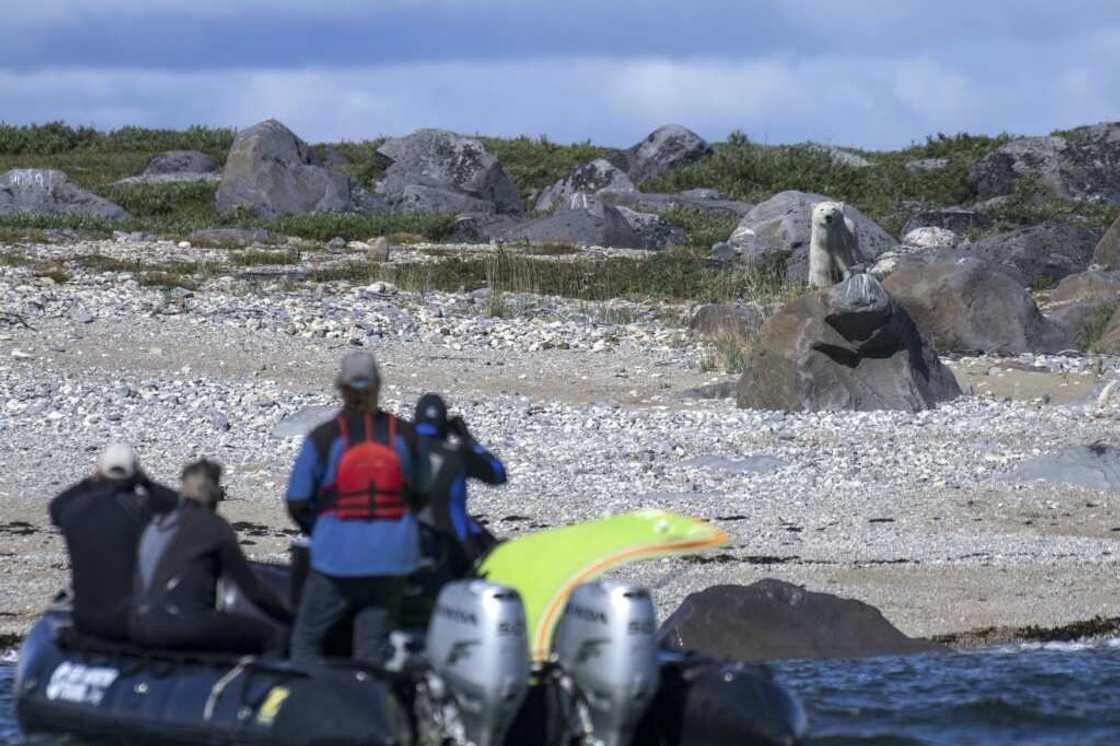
(353, 488)
(450, 465)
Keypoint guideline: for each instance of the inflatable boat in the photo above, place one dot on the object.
(566, 660)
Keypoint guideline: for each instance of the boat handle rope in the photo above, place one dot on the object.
(221, 684)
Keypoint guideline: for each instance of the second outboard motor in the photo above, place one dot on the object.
(605, 648)
(478, 650)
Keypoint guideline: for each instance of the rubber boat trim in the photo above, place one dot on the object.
(542, 638)
(220, 685)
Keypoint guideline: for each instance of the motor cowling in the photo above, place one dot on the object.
(478, 650)
(605, 648)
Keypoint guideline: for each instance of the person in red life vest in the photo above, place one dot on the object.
(352, 490)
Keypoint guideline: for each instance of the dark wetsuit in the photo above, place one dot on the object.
(452, 541)
(102, 520)
(181, 557)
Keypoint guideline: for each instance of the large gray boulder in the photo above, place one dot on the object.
(666, 147)
(1041, 254)
(700, 200)
(653, 231)
(44, 191)
(848, 347)
(970, 306)
(590, 178)
(180, 162)
(430, 169)
(273, 172)
(773, 620)
(1109, 341)
(589, 223)
(779, 229)
(1095, 466)
(1107, 251)
(1082, 163)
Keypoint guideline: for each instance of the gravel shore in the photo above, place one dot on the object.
(586, 404)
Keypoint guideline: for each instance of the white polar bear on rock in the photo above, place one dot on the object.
(833, 246)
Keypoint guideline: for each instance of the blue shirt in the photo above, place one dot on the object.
(355, 548)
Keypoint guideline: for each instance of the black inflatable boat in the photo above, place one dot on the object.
(467, 679)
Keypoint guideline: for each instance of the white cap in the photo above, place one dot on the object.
(118, 461)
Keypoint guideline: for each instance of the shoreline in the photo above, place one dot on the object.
(588, 404)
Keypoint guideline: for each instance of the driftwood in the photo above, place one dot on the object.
(15, 318)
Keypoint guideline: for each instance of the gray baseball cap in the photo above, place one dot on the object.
(358, 371)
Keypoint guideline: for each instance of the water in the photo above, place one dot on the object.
(1042, 694)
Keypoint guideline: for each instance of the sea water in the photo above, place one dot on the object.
(1067, 693)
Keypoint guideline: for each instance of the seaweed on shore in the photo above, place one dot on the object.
(1098, 626)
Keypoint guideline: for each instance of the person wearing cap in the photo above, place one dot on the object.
(451, 463)
(353, 487)
(451, 540)
(101, 519)
(182, 554)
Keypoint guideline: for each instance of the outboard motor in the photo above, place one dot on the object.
(478, 650)
(605, 648)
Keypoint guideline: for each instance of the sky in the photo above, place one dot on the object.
(867, 73)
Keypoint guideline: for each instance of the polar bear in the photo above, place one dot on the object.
(833, 246)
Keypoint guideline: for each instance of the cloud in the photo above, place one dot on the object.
(863, 101)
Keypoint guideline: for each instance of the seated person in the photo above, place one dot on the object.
(102, 518)
(182, 555)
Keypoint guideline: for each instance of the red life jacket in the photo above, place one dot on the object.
(368, 485)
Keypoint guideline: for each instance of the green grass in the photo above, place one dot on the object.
(1096, 325)
(256, 258)
(94, 158)
(669, 275)
(702, 228)
(727, 352)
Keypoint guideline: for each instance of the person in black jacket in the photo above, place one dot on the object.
(101, 518)
(182, 555)
(451, 539)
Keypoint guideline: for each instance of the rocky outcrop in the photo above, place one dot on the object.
(1083, 304)
(180, 162)
(969, 306)
(1095, 466)
(1109, 341)
(434, 170)
(773, 620)
(779, 229)
(43, 191)
(1079, 164)
(666, 147)
(840, 156)
(1091, 285)
(930, 238)
(700, 200)
(960, 220)
(589, 223)
(1042, 254)
(590, 178)
(848, 347)
(1107, 251)
(273, 172)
